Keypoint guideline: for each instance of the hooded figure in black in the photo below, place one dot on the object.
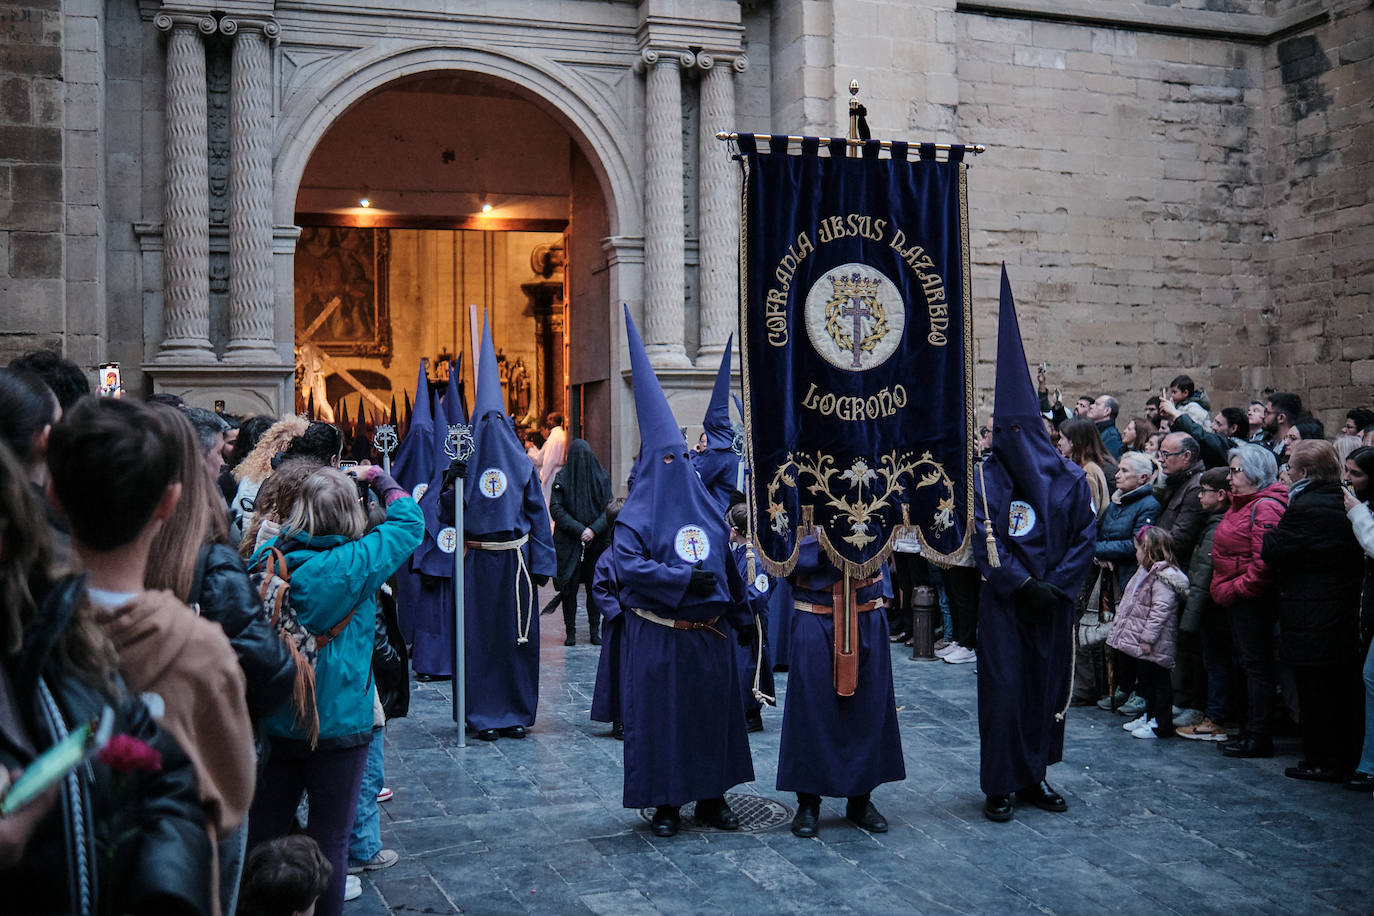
(1034, 544)
(577, 505)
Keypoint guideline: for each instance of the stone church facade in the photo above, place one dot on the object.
(1175, 186)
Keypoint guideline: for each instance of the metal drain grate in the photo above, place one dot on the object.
(756, 813)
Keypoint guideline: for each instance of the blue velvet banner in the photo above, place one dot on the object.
(856, 341)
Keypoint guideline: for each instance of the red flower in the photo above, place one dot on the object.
(125, 753)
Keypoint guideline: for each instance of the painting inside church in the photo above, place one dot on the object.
(341, 284)
(430, 278)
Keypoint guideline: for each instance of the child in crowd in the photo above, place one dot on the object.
(284, 877)
(1145, 632)
(1201, 613)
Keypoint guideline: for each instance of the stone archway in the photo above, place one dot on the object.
(303, 128)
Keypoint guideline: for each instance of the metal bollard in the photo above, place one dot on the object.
(923, 608)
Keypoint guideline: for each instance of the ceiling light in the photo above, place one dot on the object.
(365, 202)
(486, 207)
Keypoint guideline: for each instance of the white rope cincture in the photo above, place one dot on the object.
(523, 621)
(759, 695)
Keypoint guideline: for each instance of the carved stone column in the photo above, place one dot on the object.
(718, 207)
(251, 292)
(186, 207)
(664, 280)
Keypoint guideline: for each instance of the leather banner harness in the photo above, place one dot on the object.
(844, 611)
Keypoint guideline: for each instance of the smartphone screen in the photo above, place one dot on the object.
(58, 760)
(109, 380)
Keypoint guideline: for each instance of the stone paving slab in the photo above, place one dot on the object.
(1153, 827)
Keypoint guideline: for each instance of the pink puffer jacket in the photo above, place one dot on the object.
(1148, 614)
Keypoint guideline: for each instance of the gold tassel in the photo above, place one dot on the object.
(993, 559)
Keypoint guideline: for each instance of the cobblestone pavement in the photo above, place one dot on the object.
(1160, 826)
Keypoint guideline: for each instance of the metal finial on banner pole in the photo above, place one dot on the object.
(858, 120)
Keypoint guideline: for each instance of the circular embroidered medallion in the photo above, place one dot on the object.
(492, 483)
(692, 544)
(447, 540)
(854, 317)
(1021, 519)
(419, 492)
(761, 583)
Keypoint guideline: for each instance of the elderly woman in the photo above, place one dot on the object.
(1318, 573)
(1131, 507)
(1241, 583)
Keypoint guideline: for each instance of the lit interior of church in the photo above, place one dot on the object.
(431, 196)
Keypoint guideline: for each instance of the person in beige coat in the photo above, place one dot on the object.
(1145, 631)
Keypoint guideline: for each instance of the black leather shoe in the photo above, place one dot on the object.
(618, 731)
(595, 639)
(807, 816)
(1360, 782)
(488, 734)
(571, 640)
(715, 812)
(753, 720)
(513, 731)
(427, 678)
(865, 814)
(1312, 772)
(999, 808)
(666, 820)
(1249, 746)
(1043, 797)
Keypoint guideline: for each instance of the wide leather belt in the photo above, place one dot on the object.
(676, 624)
(845, 612)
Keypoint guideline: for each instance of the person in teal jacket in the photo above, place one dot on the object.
(336, 570)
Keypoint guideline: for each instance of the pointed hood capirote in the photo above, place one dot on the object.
(414, 460)
(719, 432)
(499, 469)
(453, 396)
(668, 508)
(1021, 447)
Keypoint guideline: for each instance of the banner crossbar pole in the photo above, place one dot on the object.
(974, 148)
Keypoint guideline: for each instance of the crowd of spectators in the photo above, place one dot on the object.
(1260, 535)
(141, 546)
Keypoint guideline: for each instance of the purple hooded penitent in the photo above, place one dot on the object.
(1034, 521)
(719, 465)
(671, 518)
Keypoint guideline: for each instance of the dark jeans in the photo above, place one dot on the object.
(909, 570)
(331, 778)
(1332, 706)
(1155, 684)
(1224, 681)
(570, 603)
(1252, 632)
(961, 584)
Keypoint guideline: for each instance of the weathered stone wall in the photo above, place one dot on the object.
(1320, 210)
(52, 258)
(1123, 189)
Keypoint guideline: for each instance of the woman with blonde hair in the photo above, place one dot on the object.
(335, 567)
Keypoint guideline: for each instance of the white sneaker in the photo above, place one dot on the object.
(1186, 717)
(961, 656)
(1135, 723)
(353, 887)
(951, 647)
(1147, 730)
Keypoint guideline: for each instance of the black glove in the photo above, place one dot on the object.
(1037, 597)
(540, 580)
(703, 582)
(456, 469)
(745, 636)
